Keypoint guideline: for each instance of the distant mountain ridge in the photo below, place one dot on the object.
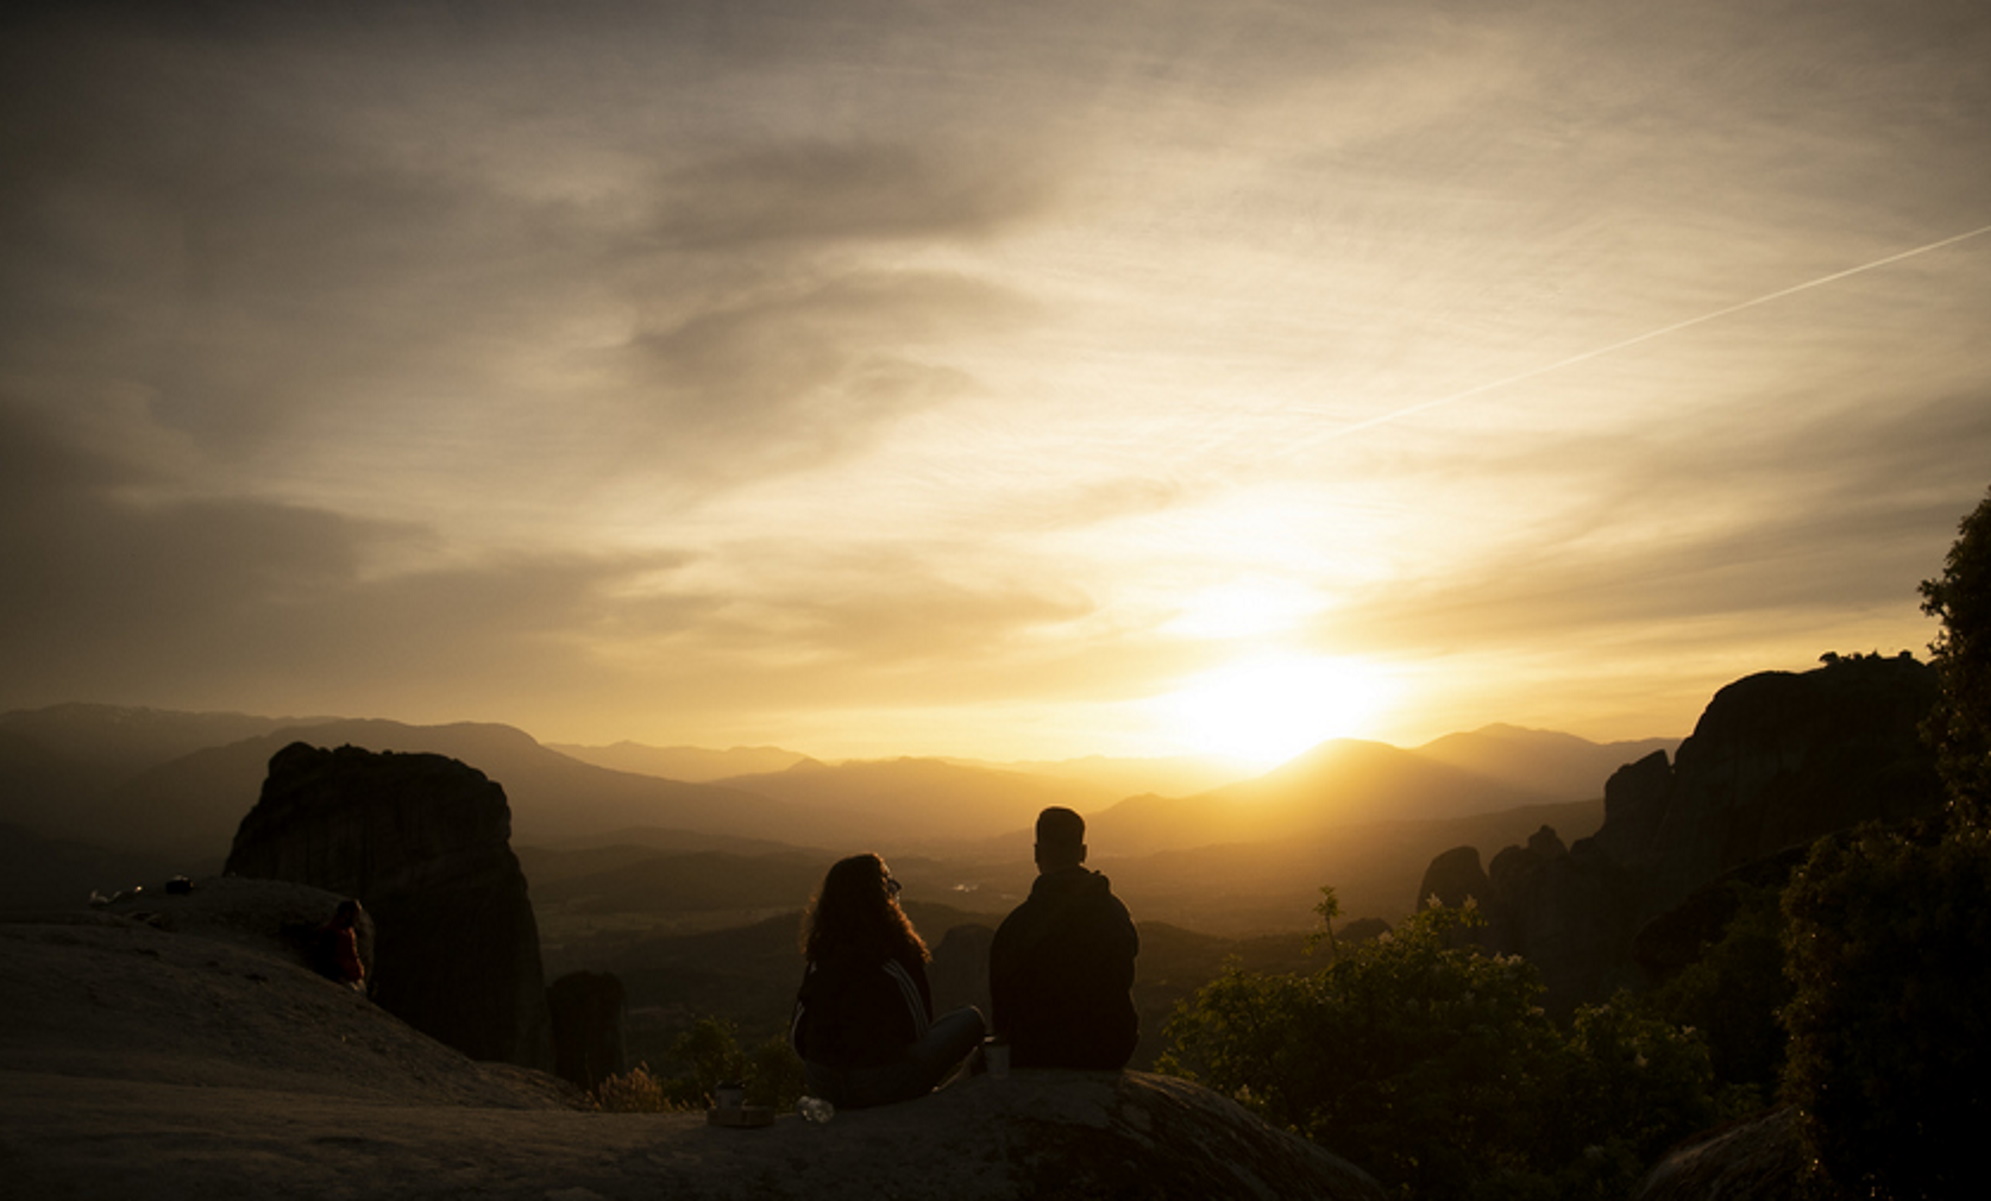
(1559, 765)
(693, 764)
(953, 802)
(1340, 783)
(121, 779)
(191, 805)
(116, 740)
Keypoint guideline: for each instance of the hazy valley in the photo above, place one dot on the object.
(170, 788)
(691, 889)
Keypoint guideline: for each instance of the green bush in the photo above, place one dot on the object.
(711, 1052)
(1434, 1067)
(1960, 728)
(774, 1075)
(708, 1054)
(634, 1091)
(1733, 993)
(1889, 953)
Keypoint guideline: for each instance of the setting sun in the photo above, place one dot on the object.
(1268, 709)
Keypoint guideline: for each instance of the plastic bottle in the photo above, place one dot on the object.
(815, 1109)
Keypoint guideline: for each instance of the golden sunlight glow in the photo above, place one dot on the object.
(1248, 608)
(1266, 710)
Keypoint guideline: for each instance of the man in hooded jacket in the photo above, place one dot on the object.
(1062, 964)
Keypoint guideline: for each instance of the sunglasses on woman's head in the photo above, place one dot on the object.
(892, 886)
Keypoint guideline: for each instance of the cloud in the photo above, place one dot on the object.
(821, 193)
(1736, 520)
(298, 248)
(234, 599)
(123, 597)
(892, 355)
(799, 375)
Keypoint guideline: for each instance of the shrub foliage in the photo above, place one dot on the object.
(1961, 726)
(708, 1053)
(1889, 952)
(1434, 1067)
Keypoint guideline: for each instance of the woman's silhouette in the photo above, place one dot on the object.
(863, 1020)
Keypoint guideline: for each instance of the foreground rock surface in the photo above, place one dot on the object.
(1761, 1159)
(202, 1062)
(203, 992)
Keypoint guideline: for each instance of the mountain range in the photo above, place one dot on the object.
(111, 787)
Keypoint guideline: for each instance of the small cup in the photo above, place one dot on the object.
(995, 1057)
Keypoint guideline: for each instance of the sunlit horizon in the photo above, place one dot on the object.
(995, 382)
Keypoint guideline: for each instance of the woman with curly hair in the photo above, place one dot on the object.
(863, 1021)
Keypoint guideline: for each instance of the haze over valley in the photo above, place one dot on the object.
(1242, 855)
(691, 890)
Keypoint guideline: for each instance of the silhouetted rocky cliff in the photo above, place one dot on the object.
(1776, 760)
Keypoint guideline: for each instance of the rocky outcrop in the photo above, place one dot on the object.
(587, 1010)
(1759, 1159)
(1559, 908)
(424, 842)
(204, 993)
(1454, 878)
(1776, 760)
(1566, 911)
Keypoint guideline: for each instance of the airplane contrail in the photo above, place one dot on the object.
(1649, 335)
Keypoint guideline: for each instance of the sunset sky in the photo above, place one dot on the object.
(994, 379)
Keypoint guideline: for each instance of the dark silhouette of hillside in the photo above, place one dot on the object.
(1115, 778)
(190, 805)
(919, 801)
(625, 879)
(43, 874)
(693, 764)
(58, 764)
(1241, 858)
(1341, 783)
(111, 742)
(1553, 764)
(37, 786)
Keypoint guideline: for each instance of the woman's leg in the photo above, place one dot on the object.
(947, 1042)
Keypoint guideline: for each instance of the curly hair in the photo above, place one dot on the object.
(856, 912)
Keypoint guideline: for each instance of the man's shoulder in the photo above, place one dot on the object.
(1027, 912)
(1059, 897)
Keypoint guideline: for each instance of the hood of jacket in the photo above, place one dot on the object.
(1070, 883)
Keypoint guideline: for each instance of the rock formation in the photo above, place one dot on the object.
(587, 1009)
(1759, 1159)
(1454, 878)
(424, 842)
(1776, 760)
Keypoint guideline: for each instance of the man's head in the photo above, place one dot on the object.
(1060, 839)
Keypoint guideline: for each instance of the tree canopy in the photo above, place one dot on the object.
(1961, 728)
